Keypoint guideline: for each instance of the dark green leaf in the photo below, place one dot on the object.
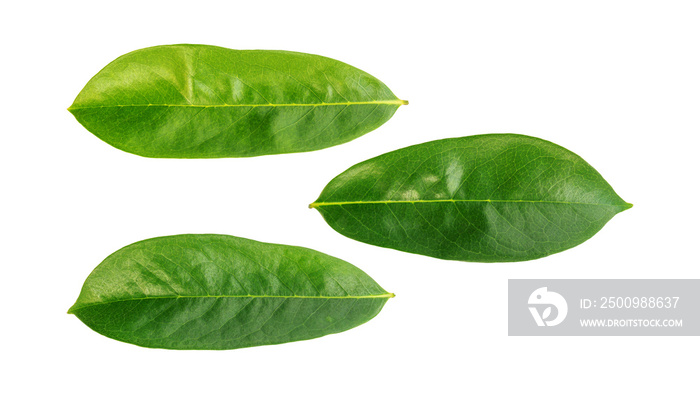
(200, 101)
(223, 292)
(487, 198)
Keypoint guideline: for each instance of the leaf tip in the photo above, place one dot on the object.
(627, 206)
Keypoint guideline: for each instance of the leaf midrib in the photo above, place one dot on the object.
(321, 204)
(174, 297)
(347, 103)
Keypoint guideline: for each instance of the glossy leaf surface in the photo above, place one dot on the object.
(200, 101)
(223, 292)
(484, 198)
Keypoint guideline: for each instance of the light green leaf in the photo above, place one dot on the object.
(223, 292)
(485, 198)
(200, 101)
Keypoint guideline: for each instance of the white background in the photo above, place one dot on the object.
(617, 82)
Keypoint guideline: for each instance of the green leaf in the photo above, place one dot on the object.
(200, 101)
(485, 198)
(223, 292)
